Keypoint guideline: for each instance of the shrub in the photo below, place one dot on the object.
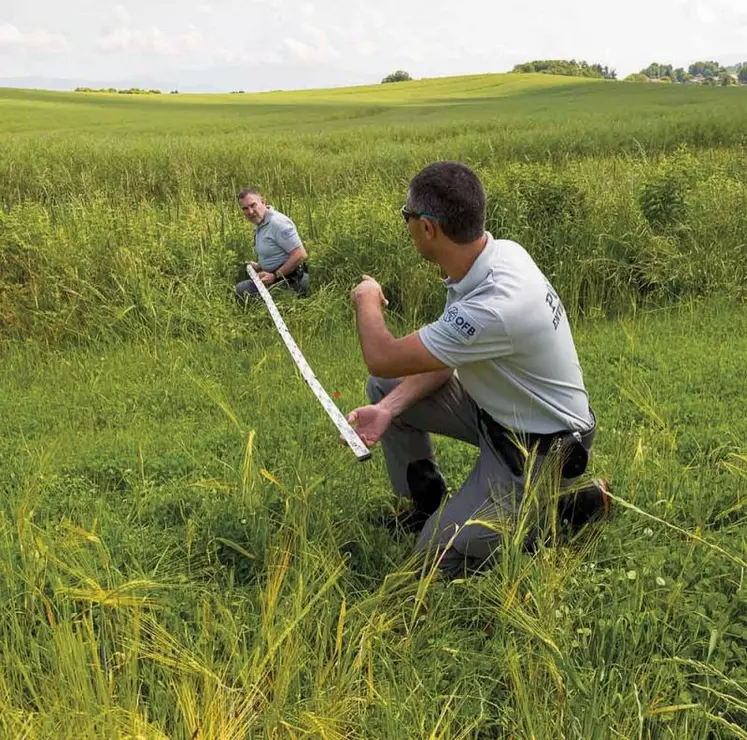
(399, 76)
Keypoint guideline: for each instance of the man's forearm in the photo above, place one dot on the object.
(373, 334)
(295, 258)
(413, 388)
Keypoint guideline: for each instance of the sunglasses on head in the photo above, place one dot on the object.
(407, 214)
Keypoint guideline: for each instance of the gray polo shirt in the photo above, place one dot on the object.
(274, 239)
(507, 333)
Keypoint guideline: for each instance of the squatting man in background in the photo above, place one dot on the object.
(498, 370)
(281, 254)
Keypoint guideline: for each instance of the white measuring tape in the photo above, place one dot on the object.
(348, 433)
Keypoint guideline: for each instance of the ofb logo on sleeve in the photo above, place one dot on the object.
(457, 320)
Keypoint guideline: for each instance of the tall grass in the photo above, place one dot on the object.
(611, 233)
(623, 193)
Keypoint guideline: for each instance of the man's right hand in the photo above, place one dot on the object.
(254, 265)
(370, 422)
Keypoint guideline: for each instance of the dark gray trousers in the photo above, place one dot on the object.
(247, 288)
(467, 531)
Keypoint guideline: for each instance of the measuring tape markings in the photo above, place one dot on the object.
(348, 433)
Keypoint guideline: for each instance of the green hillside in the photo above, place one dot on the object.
(499, 98)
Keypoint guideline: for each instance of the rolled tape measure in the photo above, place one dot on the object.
(348, 433)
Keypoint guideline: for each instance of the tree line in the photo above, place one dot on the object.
(708, 72)
(128, 91)
(569, 68)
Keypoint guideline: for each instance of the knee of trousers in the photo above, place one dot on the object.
(473, 541)
(451, 561)
(372, 389)
(377, 388)
(245, 288)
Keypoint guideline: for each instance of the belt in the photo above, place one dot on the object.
(297, 273)
(571, 447)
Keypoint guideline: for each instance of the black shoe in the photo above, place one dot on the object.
(589, 504)
(575, 510)
(408, 521)
(427, 491)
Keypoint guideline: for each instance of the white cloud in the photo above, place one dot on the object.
(152, 41)
(299, 50)
(366, 48)
(317, 49)
(192, 41)
(10, 35)
(38, 41)
(123, 40)
(736, 6)
(705, 14)
(121, 14)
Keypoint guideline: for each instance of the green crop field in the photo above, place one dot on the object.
(187, 552)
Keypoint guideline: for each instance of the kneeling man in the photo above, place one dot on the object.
(281, 254)
(498, 370)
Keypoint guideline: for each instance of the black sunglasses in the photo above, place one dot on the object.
(407, 214)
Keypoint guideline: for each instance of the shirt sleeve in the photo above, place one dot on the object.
(286, 235)
(465, 333)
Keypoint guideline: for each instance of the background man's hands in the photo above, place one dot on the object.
(368, 289)
(370, 423)
(266, 277)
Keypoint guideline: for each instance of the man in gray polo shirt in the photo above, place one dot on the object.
(498, 370)
(281, 254)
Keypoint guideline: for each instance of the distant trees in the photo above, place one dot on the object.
(656, 71)
(399, 76)
(129, 91)
(664, 72)
(707, 69)
(568, 68)
(703, 73)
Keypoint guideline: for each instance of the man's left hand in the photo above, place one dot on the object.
(368, 289)
(267, 278)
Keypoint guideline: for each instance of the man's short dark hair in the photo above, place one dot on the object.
(453, 194)
(248, 191)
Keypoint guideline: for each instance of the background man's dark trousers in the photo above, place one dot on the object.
(298, 281)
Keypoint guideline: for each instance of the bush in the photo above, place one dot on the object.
(662, 196)
(570, 68)
(399, 76)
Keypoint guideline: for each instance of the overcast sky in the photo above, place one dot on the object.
(269, 44)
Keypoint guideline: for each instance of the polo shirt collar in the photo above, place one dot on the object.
(266, 219)
(477, 273)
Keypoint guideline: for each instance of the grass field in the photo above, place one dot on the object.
(186, 550)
